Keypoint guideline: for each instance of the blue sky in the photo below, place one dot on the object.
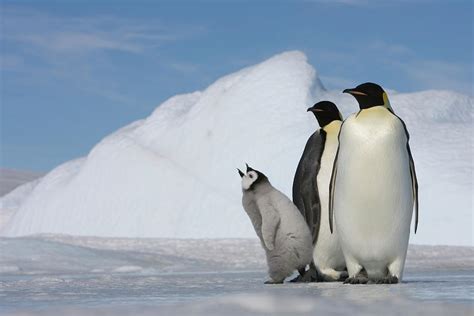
(74, 71)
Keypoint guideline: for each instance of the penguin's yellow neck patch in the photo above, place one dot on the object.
(386, 102)
(332, 127)
(375, 112)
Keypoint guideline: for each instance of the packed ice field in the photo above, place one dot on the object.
(66, 275)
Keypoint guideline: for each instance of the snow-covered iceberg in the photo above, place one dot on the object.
(173, 174)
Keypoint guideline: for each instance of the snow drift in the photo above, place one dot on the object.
(173, 174)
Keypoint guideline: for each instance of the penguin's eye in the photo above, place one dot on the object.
(251, 176)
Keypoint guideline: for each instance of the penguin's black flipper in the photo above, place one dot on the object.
(332, 183)
(414, 183)
(414, 180)
(305, 187)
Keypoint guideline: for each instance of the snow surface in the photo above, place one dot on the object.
(9, 180)
(173, 174)
(70, 275)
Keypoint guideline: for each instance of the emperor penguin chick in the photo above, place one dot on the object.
(279, 225)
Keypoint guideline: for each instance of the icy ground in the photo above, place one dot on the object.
(64, 275)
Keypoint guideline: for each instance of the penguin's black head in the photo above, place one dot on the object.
(325, 112)
(251, 178)
(369, 95)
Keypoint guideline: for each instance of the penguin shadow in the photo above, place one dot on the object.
(424, 281)
(370, 283)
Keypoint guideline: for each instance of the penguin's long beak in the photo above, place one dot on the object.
(353, 92)
(240, 172)
(312, 109)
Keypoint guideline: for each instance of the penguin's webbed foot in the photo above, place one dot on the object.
(310, 275)
(299, 279)
(389, 279)
(358, 279)
(344, 275)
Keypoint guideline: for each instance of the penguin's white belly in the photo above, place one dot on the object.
(373, 195)
(327, 252)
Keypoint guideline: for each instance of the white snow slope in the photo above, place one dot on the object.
(173, 174)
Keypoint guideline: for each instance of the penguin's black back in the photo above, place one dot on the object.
(305, 186)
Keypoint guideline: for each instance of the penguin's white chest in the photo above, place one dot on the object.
(327, 252)
(373, 196)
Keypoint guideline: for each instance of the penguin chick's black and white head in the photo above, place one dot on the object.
(251, 178)
(325, 112)
(369, 95)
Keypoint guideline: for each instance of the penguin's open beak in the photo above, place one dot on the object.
(240, 172)
(353, 92)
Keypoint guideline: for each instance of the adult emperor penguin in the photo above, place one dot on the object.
(373, 189)
(311, 193)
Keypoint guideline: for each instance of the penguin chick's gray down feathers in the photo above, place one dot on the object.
(282, 230)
